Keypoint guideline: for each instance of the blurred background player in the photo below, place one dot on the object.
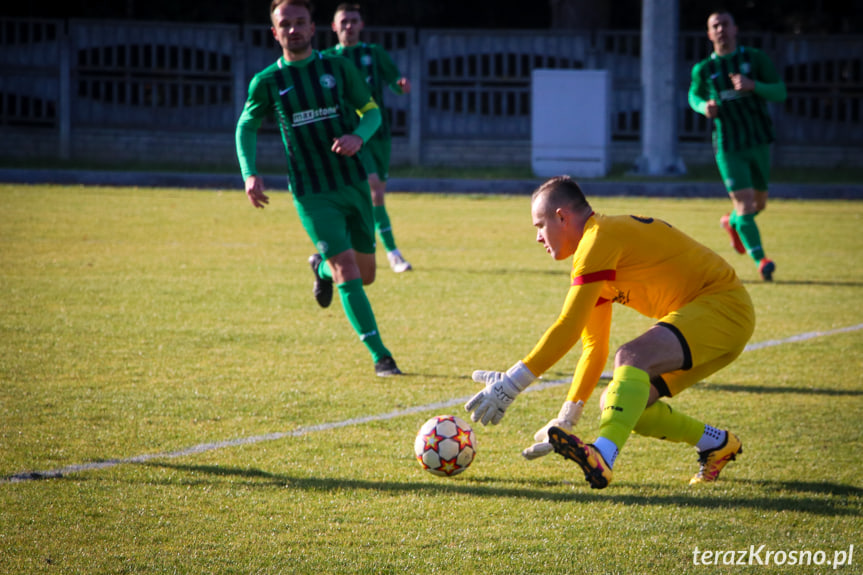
(379, 70)
(705, 317)
(325, 113)
(732, 88)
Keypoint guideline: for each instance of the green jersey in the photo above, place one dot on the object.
(314, 102)
(378, 69)
(744, 121)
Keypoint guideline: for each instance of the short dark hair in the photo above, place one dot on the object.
(719, 12)
(561, 191)
(306, 3)
(348, 7)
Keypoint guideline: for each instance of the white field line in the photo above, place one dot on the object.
(204, 447)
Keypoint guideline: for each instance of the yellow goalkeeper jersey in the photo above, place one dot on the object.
(647, 264)
(642, 263)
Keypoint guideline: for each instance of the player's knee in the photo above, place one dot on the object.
(745, 201)
(626, 354)
(368, 275)
(602, 400)
(746, 208)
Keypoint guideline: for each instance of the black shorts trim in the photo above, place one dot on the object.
(660, 386)
(687, 354)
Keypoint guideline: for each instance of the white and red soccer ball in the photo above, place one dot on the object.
(445, 445)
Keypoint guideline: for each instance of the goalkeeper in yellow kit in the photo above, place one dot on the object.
(705, 317)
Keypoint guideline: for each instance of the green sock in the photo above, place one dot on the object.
(384, 227)
(661, 421)
(747, 229)
(359, 311)
(733, 219)
(325, 272)
(624, 404)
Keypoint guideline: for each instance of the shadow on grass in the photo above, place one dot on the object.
(819, 487)
(798, 496)
(765, 389)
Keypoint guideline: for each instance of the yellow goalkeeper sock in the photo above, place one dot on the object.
(661, 421)
(624, 403)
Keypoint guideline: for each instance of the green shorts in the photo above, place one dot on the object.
(339, 220)
(749, 168)
(375, 155)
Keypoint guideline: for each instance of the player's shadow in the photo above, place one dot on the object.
(800, 497)
(779, 389)
(818, 487)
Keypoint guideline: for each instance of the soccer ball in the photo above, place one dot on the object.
(445, 445)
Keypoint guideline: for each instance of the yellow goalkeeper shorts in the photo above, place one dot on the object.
(713, 330)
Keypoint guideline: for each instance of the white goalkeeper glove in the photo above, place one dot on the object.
(569, 415)
(500, 391)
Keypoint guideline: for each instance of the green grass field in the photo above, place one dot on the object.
(144, 323)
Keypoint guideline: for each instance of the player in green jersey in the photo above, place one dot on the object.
(379, 70)
(732, 88)
(325, 113)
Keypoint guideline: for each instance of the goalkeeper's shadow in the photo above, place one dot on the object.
(779, 389)
(796, 501)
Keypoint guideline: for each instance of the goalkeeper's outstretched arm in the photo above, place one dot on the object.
(501, 389)
(594, 354)
(580, 304)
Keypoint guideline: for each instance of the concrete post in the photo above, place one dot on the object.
(64, 94)
(417, 100)
(659, 41)
(238, 57)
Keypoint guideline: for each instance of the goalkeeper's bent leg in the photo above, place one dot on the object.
(625, 402)
(662, 422)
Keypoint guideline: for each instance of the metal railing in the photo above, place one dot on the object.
(470, 84)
